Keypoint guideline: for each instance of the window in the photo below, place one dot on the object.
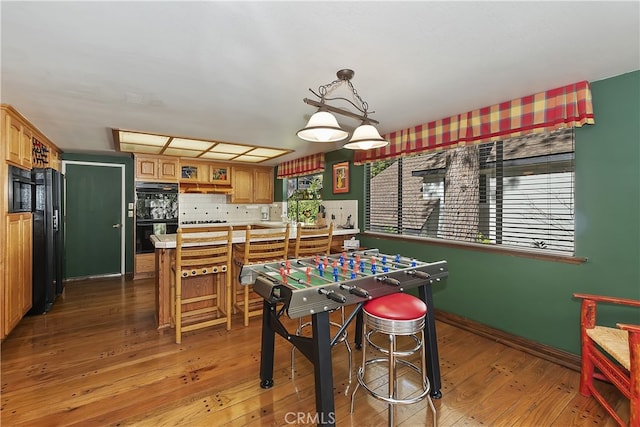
(304, 198)
(517, 193)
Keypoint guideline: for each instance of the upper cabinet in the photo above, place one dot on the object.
(263, 185)
(252, 184)
(246, 184)
(220, 174)
(26, 146)
(18, 141)
(156, 168)
(198, 176)
(194, 171)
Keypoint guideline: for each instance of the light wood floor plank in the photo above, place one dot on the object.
(97, 360)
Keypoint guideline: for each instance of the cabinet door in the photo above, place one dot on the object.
(242, 185)
(26, 148)
(13, 128)
(146, 168)
(17, 298)
(26, 242)
(168, 170)
(263, 185)
(219, 174)
(194, 172)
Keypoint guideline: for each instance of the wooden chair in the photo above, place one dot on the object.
(260, 246)
(312, 241)
(610, 354)
(203, 260)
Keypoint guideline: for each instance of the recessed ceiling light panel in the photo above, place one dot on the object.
(137, 148)
(181, 153)
(147, 143)
(250, 159)
(230, 148)
(218, 156)
(190, 144)
(143, 138)
(266, 152)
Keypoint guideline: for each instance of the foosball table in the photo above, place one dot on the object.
(316, 286)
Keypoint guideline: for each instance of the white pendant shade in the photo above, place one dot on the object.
(322, 127)
(365, 137)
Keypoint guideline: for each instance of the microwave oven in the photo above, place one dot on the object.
(21, 188)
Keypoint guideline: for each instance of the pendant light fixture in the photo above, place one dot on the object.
(323, 126)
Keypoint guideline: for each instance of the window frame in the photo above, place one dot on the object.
(558, 162)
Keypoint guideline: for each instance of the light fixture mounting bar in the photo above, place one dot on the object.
(339, 111)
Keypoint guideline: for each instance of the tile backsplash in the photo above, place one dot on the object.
(206, 207)
(337, 211)
(212, 207)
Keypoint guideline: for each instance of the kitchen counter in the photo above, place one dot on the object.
(165, 253)
(168, 241)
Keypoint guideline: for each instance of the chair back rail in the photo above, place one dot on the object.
(313, 241)
(261, 245)
(200, 252)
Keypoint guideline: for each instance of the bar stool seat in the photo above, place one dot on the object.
(394, 315)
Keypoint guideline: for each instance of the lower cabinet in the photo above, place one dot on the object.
(145, 265)
(18, 271)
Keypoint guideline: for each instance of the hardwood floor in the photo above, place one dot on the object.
(97, 359)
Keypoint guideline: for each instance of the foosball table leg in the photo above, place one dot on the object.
(433, 361)
(268, 346)
(323, 370)
(358, 338)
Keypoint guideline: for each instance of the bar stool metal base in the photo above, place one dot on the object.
(392, 328)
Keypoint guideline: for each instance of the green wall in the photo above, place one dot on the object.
(130, 196)
(533, 298)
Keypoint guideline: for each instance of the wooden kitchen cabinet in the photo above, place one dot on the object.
(156, 168)
(18, 272)
(263, 185)
(219, 174)
(252, 185)
(145, 265)
(18, 139)
(242, 184)
(194, 172)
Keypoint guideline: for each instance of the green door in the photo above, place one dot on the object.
(93, 219)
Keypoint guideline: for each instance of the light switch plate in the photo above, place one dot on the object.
(130, 214)
(130, 205)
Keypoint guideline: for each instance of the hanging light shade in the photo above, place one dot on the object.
(322, 127)
(365, 137)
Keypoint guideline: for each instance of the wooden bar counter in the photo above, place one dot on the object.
(165, 245)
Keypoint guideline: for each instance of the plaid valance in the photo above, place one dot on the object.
(303, 166)
(567, 106)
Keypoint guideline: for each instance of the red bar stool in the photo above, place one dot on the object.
(395, 315)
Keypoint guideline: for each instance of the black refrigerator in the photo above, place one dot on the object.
(47, 238)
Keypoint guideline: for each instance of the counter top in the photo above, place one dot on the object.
(271, 224)
(168, 241)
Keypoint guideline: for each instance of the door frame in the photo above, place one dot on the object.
(122, 207)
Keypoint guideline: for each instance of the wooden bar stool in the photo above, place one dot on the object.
(394, 315)
(260, 246)
(201, 253)
(311, 241)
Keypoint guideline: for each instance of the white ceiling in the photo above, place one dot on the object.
(238, 71)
